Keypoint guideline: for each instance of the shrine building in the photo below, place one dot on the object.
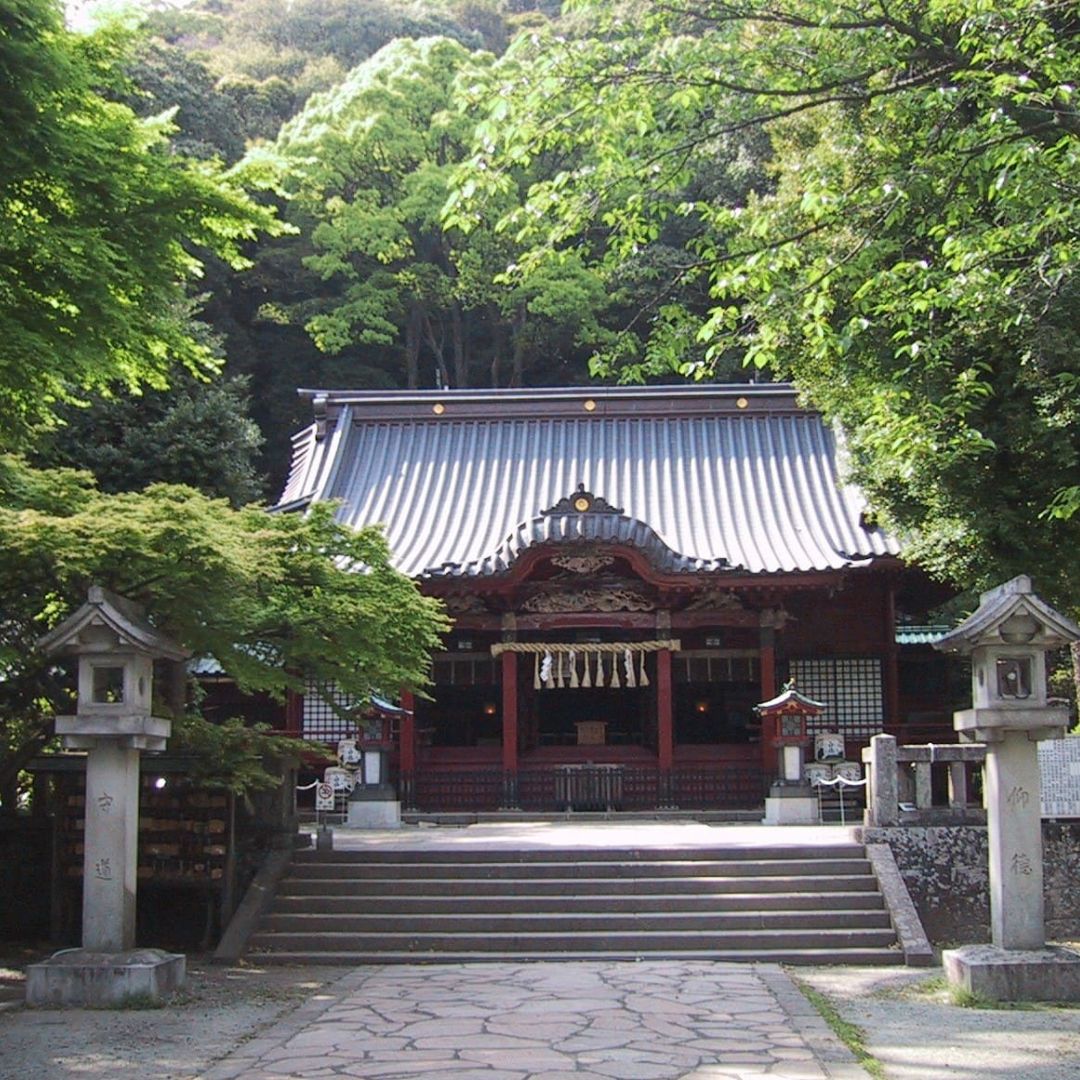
(629, 572)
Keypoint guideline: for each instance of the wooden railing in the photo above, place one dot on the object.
(716, 786)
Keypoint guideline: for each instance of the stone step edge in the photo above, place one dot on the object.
(823, 957)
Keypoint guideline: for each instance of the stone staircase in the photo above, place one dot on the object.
(794, 905)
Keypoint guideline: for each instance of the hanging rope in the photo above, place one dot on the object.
(548, 647)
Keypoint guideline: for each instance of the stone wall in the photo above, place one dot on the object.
(946, 872)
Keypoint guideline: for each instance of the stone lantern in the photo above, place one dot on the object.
(116, 648)
(1007, 639)
(784, 726)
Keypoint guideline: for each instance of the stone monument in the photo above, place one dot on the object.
(1007, 639)
(116, 648)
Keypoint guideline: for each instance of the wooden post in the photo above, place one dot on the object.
(768, 692)
(891, 674)
(407, 759)
(294, 713)
(509, 727)
(665, 726)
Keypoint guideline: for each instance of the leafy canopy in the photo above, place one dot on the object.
(273, 597)
(100, 225)
(909, 255)
(369, 165)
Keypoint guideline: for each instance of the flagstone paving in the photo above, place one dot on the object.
(650, 1020)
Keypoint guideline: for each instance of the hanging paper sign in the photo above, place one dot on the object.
(324, 796)
(348, 752)
(339, 779)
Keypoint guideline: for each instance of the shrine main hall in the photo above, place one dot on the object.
(629, 571)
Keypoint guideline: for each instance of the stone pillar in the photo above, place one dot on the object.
(924, 785)
(1014, 827)
(882, 801)
(958, 785)
(110, 842)
(510, 727)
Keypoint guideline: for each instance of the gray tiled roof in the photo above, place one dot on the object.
(700, 478)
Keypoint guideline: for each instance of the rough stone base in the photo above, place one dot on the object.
(1050, 974)
(372, 814)
(100, 980)
(791, 806)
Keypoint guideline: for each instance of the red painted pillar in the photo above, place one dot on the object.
(509, 711)
(294, 713)
(891, 674)
(665, 724)
(407, 758)
(509, 727)
(665, 727)
(768, 692)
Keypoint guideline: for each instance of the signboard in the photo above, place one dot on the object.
(1059, 763)
(324, 796)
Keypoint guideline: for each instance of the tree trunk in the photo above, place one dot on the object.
(1074, 655)
(412, 350)
(436, 346)
(521, 351)
(500, 343)
(461, 359)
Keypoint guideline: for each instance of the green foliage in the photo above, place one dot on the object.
(99, 225)
(195, 433)
(273, 597)
(230, 754)
(370, 165)
(904, 245)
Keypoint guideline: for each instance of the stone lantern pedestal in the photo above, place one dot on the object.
(116, 648)
(1007, 638)
(790, 800)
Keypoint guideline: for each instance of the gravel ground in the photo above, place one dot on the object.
(914, 1030)
(218, 1010)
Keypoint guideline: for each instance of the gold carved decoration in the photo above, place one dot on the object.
(463, 603)
(716, 600)
(588, 600)
(582, 564)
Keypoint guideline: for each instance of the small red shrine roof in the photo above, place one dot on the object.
(698, 478)
(790, 702)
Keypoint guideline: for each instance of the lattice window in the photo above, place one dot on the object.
(464, 671)
(322, 721)
(851, 690)
(716, 669)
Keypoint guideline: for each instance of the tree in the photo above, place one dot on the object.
(194, 433)
(369, 166)
(272, 597)
(910, 258)
(100, 226)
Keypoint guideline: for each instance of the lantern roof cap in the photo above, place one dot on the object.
(790, 701)
(1011, 614)
(122, 617)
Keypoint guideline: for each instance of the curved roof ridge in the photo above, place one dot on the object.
(568, 526)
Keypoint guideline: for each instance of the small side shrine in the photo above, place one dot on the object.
(116, 647)
(373, 801)
(1007, 639)
(784, 728)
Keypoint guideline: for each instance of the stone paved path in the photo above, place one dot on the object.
(650, 1020)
